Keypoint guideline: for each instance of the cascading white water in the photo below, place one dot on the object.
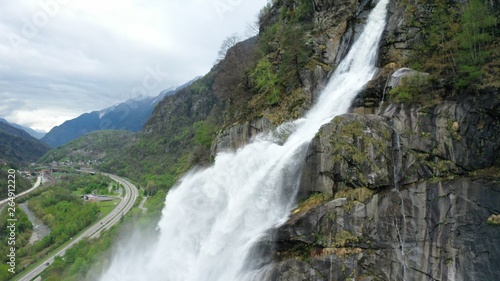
(214, 216)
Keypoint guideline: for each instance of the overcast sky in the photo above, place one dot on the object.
(61, 58)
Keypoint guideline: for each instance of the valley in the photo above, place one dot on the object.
(122, 208)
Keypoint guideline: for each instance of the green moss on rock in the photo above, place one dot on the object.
(355, 195)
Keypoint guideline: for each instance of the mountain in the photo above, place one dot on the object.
(17, 146)
(130, 116)
(96, 146)
(182, 127)
(33, 133)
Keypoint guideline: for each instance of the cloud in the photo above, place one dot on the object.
(61, 58)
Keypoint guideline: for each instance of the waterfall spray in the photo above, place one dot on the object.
(214, 217)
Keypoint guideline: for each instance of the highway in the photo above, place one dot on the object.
(35, 186)
(131, 194)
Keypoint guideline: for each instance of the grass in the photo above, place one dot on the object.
(311, 202)
(494, 220)
(353, 195)
(106, 207)
(489, 172)
(79, 192)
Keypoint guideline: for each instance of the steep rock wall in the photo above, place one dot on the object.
(403, 145)
(333, 29)
(238, 135)
(425, 231)
(401, 207)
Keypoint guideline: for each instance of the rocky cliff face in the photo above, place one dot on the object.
(403, 145)
(236, 136)
(424, 231)
(334, 27)
(384, 220)
(397, 199)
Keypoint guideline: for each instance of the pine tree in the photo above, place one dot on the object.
(476, 31)
(439, 25)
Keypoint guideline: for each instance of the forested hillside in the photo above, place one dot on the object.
(130, 116)
(18, 147)
(93, 147)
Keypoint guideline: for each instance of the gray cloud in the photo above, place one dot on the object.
(61, 58)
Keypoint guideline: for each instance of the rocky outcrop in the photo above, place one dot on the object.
(425, 231)
(401, 34)
(404, 145)
(402, 206)
(351, 151)
(238, 135)
(336, 25)
(399, 76)
(465, 135)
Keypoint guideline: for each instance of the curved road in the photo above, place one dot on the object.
(112, 218)
(35, 186)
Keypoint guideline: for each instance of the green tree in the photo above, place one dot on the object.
(267, 81)
(437, 53)
(476, 32)
(4, 273)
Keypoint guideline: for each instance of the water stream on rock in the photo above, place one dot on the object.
(214, 217)
(397, 162)
(397, 158)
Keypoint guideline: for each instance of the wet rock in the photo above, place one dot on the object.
(426, 231)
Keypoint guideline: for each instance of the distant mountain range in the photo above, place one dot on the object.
(33, 133)
(19, 147)
(130, 116)
(94, 146)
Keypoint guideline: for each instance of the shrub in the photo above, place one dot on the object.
(410, 89)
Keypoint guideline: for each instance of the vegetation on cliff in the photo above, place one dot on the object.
(459, 47)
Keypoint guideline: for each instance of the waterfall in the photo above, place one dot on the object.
(397, 158)
(397, 162)
(402, 250)
(214, 216)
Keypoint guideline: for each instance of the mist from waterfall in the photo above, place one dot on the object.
(214, 216)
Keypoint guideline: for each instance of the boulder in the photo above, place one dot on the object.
(399, 76)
